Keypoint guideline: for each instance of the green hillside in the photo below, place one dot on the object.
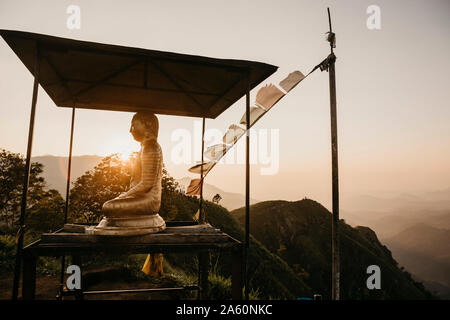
(270, 276)
(300, 233)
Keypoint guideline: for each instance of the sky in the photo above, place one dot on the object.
(392, 86)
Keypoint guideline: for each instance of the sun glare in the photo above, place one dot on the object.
(123, 146)
(125, 156)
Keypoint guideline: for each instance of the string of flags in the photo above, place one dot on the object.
(266, 98)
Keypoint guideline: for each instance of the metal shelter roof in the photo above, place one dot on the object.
(92, 75)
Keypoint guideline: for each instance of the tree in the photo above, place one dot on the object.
(106, 181)
(12, 170)
(216, 199)
(175, 205)
(44, 207)
(47, 215)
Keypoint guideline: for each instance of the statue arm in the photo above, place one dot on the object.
(151, 164)
(135, 170)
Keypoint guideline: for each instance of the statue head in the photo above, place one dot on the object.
(144, 126)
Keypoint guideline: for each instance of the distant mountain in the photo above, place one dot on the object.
(390, 224)
(437, 288)
(299, 232)
(389, 216)
(424, 251)
(438, 195)
(436, 200)
(55, 169)
(229, 200)
(424, 239)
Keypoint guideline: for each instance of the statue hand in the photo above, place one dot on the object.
(122, 195)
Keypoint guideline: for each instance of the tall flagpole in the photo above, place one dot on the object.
(247, 190)
(334, 163)
(201, 210)
(203, 257)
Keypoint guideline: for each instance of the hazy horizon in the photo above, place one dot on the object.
(346, 203)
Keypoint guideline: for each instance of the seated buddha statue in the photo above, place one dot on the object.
(136, 210)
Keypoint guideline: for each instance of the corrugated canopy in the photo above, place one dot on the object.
(107, 77)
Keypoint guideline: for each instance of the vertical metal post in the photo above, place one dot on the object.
(236, 274)
(335, 178)
(26, 179)
(203, 257)
(77, 260)
(29, 276)
(69, 166)
(203, 274)
(247, 188)
(66, 207)
(202, 215)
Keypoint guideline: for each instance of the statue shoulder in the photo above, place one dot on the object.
(152, 146)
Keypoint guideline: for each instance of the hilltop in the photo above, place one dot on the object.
(299, 232)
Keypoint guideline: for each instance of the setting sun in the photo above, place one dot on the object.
(125, 156)
(123, 145)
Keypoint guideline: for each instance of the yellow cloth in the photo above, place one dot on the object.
(153, 265)
(197, 215)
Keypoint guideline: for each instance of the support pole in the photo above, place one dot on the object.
(29, 276)
(247, 189)
(236, 274)
(334, 163)
(66, 207)
(202, 214)
(69, 167)
(26, 179)
(203, 274)
(203, 257)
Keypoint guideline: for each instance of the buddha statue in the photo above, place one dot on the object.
(135, 212)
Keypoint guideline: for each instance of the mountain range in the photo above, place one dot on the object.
(415, 227)
(404, 223)
(425, 252)
(389, 216)
(55, 169)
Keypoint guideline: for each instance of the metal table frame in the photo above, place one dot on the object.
(78, 249)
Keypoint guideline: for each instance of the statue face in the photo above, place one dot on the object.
(138, 129)
(144, 126)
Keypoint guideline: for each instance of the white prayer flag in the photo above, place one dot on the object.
(291, 80)
(267, 96)
(233, 134)
(216, 151)
(198, 167)
(255, 114)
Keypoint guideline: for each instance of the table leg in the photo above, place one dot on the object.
(236, 275)
(76, 260)
(203, 268)
(29, 277)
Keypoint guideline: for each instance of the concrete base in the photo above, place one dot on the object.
(128, 226)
